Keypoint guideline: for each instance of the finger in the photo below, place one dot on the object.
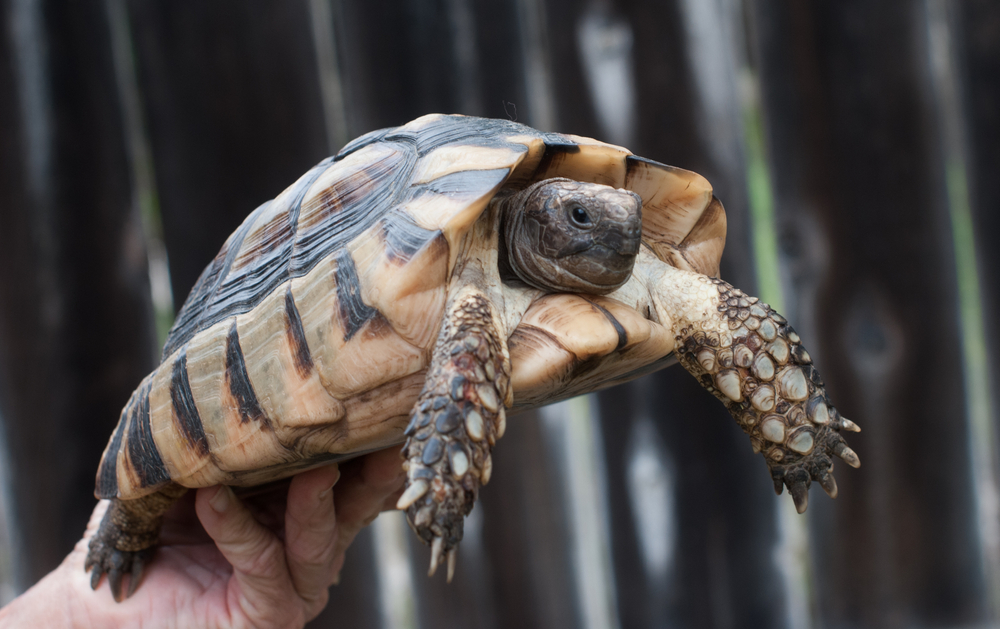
(311, 535)
(367, 486)
(263, 585)
(366, 483)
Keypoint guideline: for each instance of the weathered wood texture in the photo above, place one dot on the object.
(234, 114)
(978, 34)
(864, 226)
(75, 314)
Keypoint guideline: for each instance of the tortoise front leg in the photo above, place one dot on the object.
(457, 419)
(125, 541)
(748, 356)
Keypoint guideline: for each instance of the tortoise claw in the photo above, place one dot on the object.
(115, 575)
(95, 576)
(779, 486)
(104, 557)
(452, 554)
(848, 425)
(828, 483)
(800, 494)
(135, 575)
(436, 551)
(849, 456)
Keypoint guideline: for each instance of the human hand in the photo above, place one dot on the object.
(262, 561)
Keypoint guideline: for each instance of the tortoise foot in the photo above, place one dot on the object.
(798, 472)
(126, 539)
(117, 564)
(117, 552)
(456, 421)
(752, 360)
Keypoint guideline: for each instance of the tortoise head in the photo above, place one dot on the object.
(566, 236)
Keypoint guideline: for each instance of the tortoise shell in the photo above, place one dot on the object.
(307, 338)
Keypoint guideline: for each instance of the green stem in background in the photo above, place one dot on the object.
(764, 229)
(982, 438)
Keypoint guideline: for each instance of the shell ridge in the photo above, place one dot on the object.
(206, 305)
(454, 129)
(403, 237)
(359, 143)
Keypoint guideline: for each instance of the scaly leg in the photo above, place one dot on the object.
(748, 356)
(456, 421)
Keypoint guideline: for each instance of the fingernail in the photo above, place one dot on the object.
(222, 499)
(326, 492)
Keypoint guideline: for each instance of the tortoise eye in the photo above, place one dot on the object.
(579, 216)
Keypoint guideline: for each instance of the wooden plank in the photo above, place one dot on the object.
(977, 38)
(861, 203)
(398, 62)
(233, 105)
(76, 329)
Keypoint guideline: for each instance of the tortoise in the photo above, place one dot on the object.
(421, 285)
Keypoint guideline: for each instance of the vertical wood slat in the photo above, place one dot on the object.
(397, 60)
(235, 115)
(75, 324)
(978, 41)
(234, 112)
(862, 209)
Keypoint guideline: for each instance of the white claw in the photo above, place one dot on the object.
(436, 548)
(848, 425)
(849, 456)
(452, 554)
(412, 494)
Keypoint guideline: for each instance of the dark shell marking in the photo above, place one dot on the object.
(239, 382)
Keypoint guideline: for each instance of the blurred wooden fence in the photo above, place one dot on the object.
(856, 146)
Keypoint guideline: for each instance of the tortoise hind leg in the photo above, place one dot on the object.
(457, 419)
(125, 541)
